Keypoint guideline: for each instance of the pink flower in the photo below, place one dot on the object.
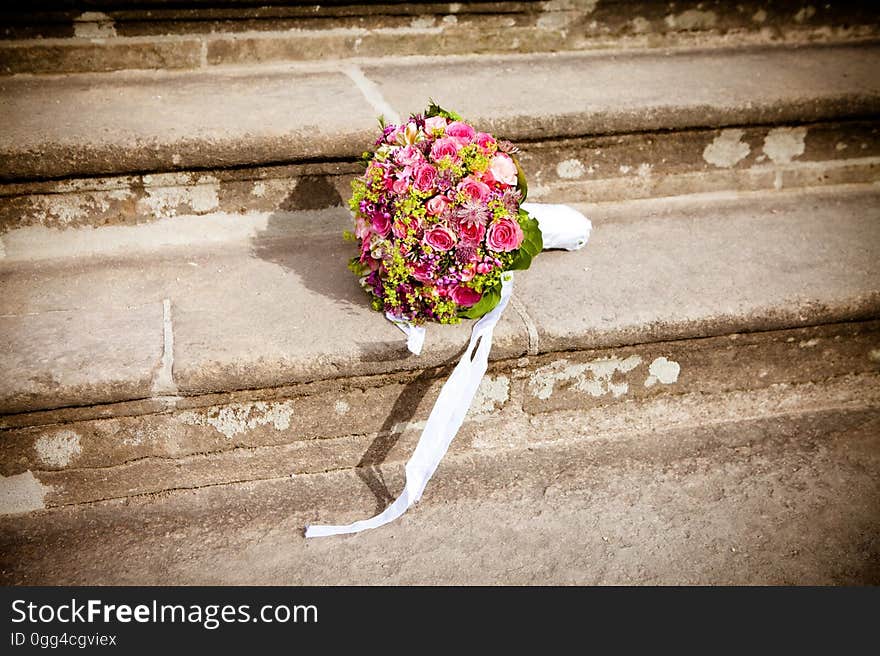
(504, 235)
(477, 190)
(361, 228)
(424, 178)
(381, 223)
(484, 140)
(465, 296)
(440, 238)
(437, 205)
(472, 233)
(503, 169)
(445, 148)
(421, 272)
(434, 123)
(460, 130)
(408, 156)
(399, 186)
(467, 273)
(399, 229)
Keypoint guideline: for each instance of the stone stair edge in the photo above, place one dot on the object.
(130, 339)
(133, 44)
(35, 150)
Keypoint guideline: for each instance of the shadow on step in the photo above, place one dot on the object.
(309, 244)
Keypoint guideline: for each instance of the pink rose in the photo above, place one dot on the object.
(465, 296)
(399, 229)
(504, 235)
(437, 205)
(460, 130)
(381, 223)
(444, 148)
(440, 238)
(424, 177)
(467, 273)
(421, 272)
(434, 123)
(477, 190)
(471, 233)
(484, 140)
(503, 169)
(361, 228)
(399, 186)
(408, 156)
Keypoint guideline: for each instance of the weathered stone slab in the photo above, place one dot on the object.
(85, 356)
(589, 94)
(174, 121)
(685, 269)
(589, 169)
(575, 381)
(767, 499)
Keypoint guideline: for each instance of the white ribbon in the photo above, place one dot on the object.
(561, 227)
(415, 335)
(443, 423)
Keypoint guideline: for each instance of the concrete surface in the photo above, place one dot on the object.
(155, 121)
(590, 169)
(141, 122)
(206, 35)
(775, 500)
(588, 94)
(278, 307)
(270, 434)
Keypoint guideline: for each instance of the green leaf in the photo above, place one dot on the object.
(436, 110)
(521, 183)
(357, 267)
(533, 242)
(491, 298)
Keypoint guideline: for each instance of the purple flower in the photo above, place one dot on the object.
(472, 212)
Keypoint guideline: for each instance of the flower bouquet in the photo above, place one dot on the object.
(440, 222)
(438, 218)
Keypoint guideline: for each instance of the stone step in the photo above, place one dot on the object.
(606, 168)
(766, 497)
(257, 357)
(160, 122)
(116, 35)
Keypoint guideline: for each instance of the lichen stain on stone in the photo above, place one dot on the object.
(784, 144)
(808, 343)
(692, 19)
(493, 392)
(640, 25)
(727, 149)
(73, 208)
(341, 407)
(570, 169)
(22, 493)
(874, 355)
(805, 13)
(664, 371)
(199, 197)
(237, 418)
(93, 25)
(594, 378)
(58, 449)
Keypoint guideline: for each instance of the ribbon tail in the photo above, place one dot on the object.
(443, 423)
